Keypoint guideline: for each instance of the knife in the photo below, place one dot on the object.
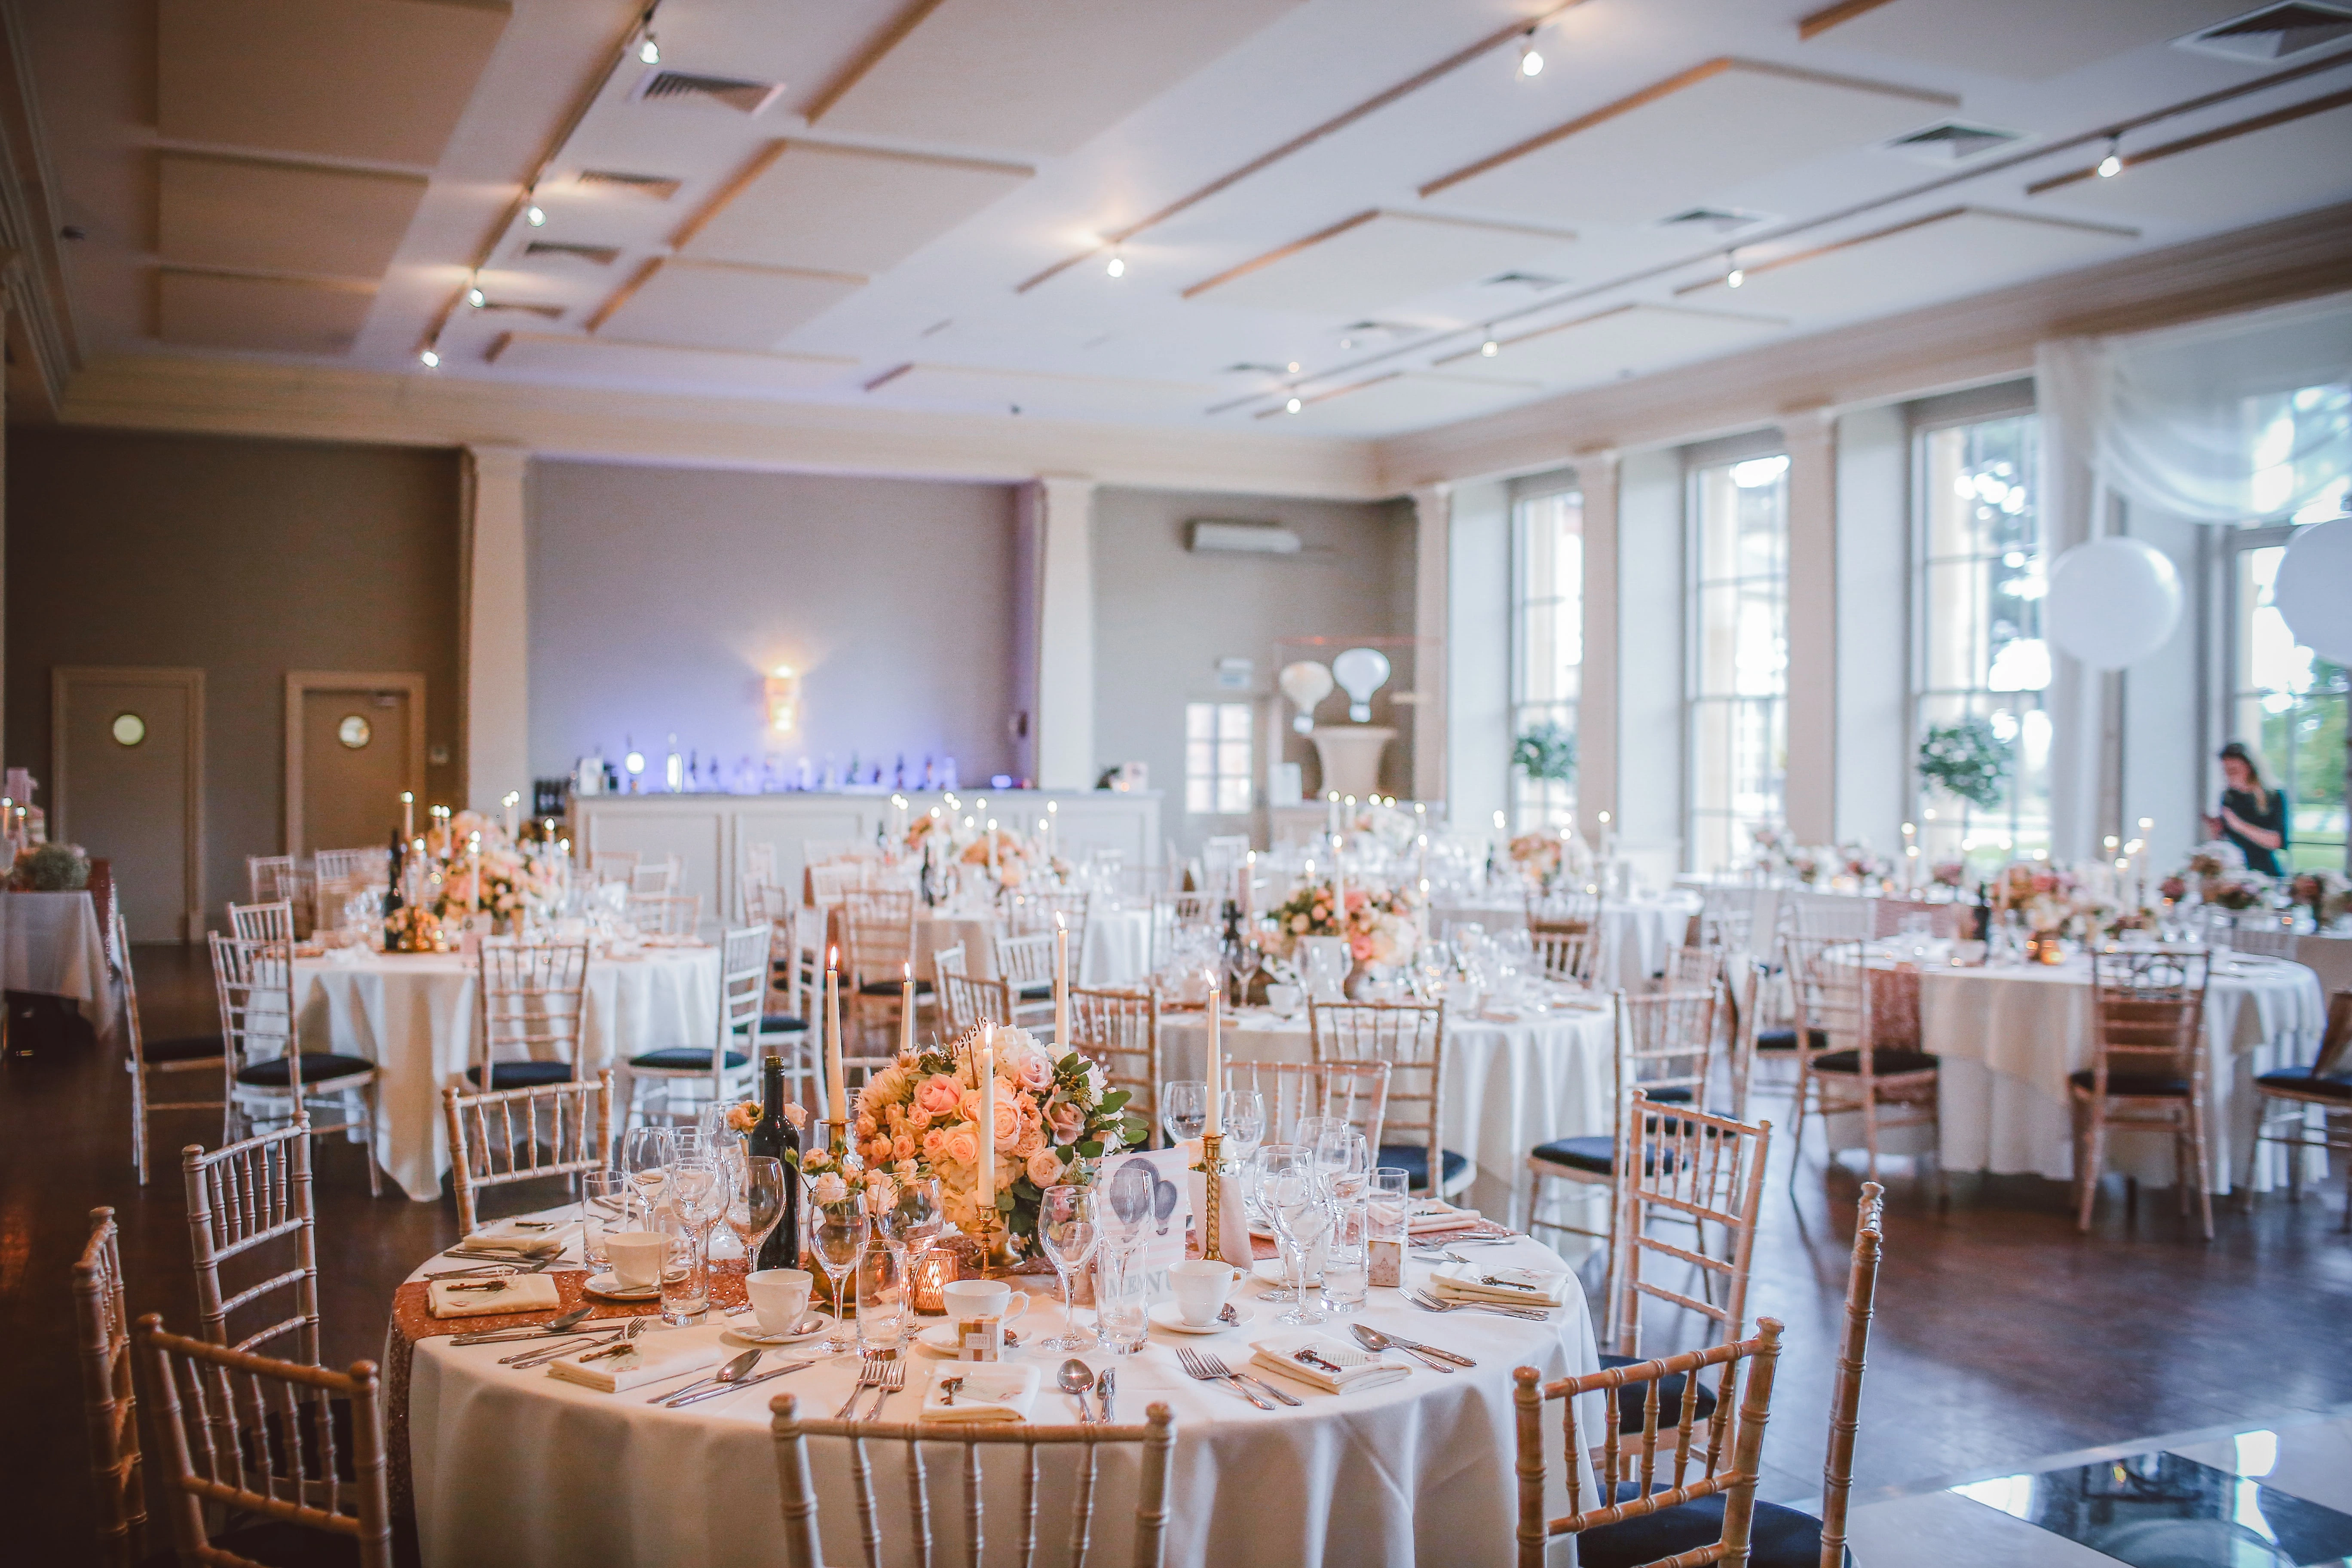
(733, 1387)
(735, 1368)
(1427, 1349)
(1105, 1386)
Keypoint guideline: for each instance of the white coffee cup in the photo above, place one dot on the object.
(636, 1258)
(966, 1300)
(1284, 998)
(1201, 1287)
(779, 1298)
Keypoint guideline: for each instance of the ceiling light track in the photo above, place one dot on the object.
(2292, 113)
(1520, 30)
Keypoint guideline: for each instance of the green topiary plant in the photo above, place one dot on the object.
(1547, 752)
(1968, 759)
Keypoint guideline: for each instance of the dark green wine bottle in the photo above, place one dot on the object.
(773, 1136)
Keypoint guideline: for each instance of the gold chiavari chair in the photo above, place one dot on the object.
(240, 1199)
(1153, 1442)
(257, 1435)
(532, 1003)
(649, 878)
(613, 865)
(784, 1017)
(1564, 912)
(1570, 957)
(2287, 1099)
(1026, 964)
(269, 1079)
(337, 875)
(1410, 1038)
(496, 1139)
(110, 1395)
(1639, 1480)
(1356, 1090)
(1172, 913)
(966, 1001)
(1742, 998)
(1846, 1068)
(271, 921)
(1726, 918)
(1120, 1031)
(1027, 913)
(280, 879)
(2147, 1071)
(878, 930)
(153, 1062)
(726, 1061)
(665, 914)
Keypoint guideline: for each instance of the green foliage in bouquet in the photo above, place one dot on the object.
(1546, 753)
(49, 869)
(1968, 759)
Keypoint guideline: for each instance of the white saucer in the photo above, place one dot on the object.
(1270, 1271)
(1164, 1315)
(609, 1286)
(753, 1336)
(940, 1340)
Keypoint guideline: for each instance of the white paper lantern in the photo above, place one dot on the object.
(1305, 683)
(1362, 670)
(2112, 602)
(2313, 589)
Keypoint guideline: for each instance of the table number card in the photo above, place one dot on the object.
(1170, 1218)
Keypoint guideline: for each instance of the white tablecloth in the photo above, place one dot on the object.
(2329, 957)
(2006, 1038)
(1637, 935)
(50, 944)
(516, 1469)
(1117, 951)
(1509, 1086)
(414, 1016)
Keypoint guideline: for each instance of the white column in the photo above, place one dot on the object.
(494, 652)
(1433, 514)
(1596, 697)
(1478, 657)
(1059, 514)
(1811, 786)
(1645, 766)
(1873, 728)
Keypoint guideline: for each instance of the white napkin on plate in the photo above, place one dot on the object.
(650, 1357)
(990, 1391)
(1359, 1368)
(1467, 1282)
(515, 1293)
(1430, 1217)
(502, 1240)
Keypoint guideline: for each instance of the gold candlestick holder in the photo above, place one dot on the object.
(1212, 1168)
(837, 1139)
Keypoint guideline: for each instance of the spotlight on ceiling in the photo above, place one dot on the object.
(1293, 406)
(649, 51)
(1530, 59)
(1736, 275)
(1490, 348)
(1118, 268)
(2113, 163)
(475, 298)
(430, 359)
(535, 215)
(1293, 367)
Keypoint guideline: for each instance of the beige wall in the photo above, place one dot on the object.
(244, 559)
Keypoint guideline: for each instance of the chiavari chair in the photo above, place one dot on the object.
(967, 1001)
(1410, 1038)
(281, 879)
(726, 1061)
(337, 874)
(1564, 912)
(1153, 1442)
(1119, 1032)
(1641, 1480)
(1845, 1070)
(758, 863)
(1566, 955)
(2288, 1097)
(828, 885)
(665, 914)
(2147, 1071)
(271, 1079)
(878, 928)
(1026, 964)
(2263, 941)
(1692, 968)
(1027, 913)
(1175, 912)
(784, 1017)
(613, 865)
(271, 921)
(1887, 915)
(109, 1393)
(1359, 1091)
(240, 1199)
(532, 1002)
(654, 877)
(495, 1139)
(153, 1062)
(1726, 918)
(295, 1444)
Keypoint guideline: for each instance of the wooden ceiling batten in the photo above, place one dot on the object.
(1279, 252)
(1829, 17)
(890, 38)
(2291, 113)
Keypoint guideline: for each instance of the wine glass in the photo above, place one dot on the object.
(1065, 1228)
(1184, 1109)
(755, 1202)
(646, 1155)
(699, 1193)
(920, 1219)
(1339, 1152)
(1244, 1117)
(837, 1237)
(1300, 1215)
(1255, 1180)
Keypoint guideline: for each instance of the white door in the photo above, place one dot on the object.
(128, 751)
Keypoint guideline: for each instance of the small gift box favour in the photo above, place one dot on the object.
(979, 1338)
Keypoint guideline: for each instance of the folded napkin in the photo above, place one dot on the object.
(1003, 1391)
(502, 1241)
(1467, 1282)
(1359, 1368)
(515, 1293)
(1430, 1216)
(649, 1358)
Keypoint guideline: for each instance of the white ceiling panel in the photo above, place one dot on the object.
(2239, 180)
(1376, 260)
(1685, 140)
(846, 209)
(602, 361)
(1399, 402)
(718, 305)
(1036, 76)
(1629, 338)
(276, 315)
(2026, 40)
(282, 218)
(381, 79)
(1067, 397)
(1964, 252)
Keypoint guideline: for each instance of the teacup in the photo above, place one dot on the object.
(1201, 1288)
(966, 1300)
(1284, 998)
(636, 1258)
(779, 1298)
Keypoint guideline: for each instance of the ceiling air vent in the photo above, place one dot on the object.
(1251, 367)
(1713, 220)
(2272, 33)
(1953, 141)
(654, 185)
(593, 255)
(727, 92)
(1538, 282)
(1372, 335)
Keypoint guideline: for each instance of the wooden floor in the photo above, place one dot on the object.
(2001, 1334)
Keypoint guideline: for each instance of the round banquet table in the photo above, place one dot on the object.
(2006, 1037)
(1117, 951)
(1510, 1083)
(512, 1469)
(1636, 934)
(413, 1015)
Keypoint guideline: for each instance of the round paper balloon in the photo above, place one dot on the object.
(2112, 602)
(1362, 670)
(2313, 588)
(1305, 683)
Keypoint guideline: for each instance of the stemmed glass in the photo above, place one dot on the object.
(699, 1194)
(1339, 1152)
(755, 1201)
(838, 1238)
(1066, 1225)
(646, 1155)
(1184, 1109)
(1295, 1206)
(1244, 1120)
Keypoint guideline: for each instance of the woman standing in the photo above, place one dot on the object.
(2253, 814)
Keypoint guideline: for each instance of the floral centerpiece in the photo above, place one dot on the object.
(1537, 856)
(512, 886)
(1381, 926)
(49, 869)
(1949, 873)
(2216, 874)
(2327, 894)
(412, 928)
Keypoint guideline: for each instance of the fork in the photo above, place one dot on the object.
(1217, 1363)
(892, 1379)
(541, 1358)
(869, 1375)
(1429, 1304)
(1195, 1366)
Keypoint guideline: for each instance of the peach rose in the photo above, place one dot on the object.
(937, 1095)
(1008, 1123)
(867, 1126)
(963, 1146)
(1045, 1167)
(1032, 1069)
(919, 1119)
(902, 1147)
(1066, 1119)
(878, 1149)
(1031, 1139)
(935, 1143)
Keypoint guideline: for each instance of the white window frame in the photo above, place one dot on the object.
(1226, 777)
(1557, 801)
(1698, 463)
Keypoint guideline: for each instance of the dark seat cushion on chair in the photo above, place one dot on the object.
(1596, 1154)
(689, 1058)
(1671, 1094)
(187, 1048)
(1886, 1061)
(521, 1074)
(2155, 1085)
(1633, 1396)
(1786, 1039)
(278, 1544)
(1413, 1160)
(784, 1024)
(317, 1070)
(1041, 992)
(890, 988)
(1778, 1537)
(2302, 1080)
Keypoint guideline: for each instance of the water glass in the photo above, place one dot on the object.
(1347, 1256)
(685, 1274)
(1184, 1109)
(1391, 1201)
(883, 1294)
(607, 1204)
(1122, 1297)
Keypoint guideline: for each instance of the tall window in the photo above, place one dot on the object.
(1738, 693)
(1547, 641)
(1217, 758)
(1982, 577)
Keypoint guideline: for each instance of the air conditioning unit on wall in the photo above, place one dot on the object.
(1210, 535)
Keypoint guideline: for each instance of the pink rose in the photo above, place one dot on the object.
(962, 1147)
(935, 1145)
(878, 1149)
(867, 1126)
(1045, 1167)
(920, 1121)
(1008, 1123)
(797, 1115)
(1032, 1069)
(1066, 1119)
(902, 1147)
(937, 1095)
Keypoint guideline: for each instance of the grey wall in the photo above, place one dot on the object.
(1478, 670)
(246, 559)
(661, 598)
(1163, 616)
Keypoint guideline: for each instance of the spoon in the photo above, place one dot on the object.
(1371, 1339)
(1077, 1383)
(740, 1367)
